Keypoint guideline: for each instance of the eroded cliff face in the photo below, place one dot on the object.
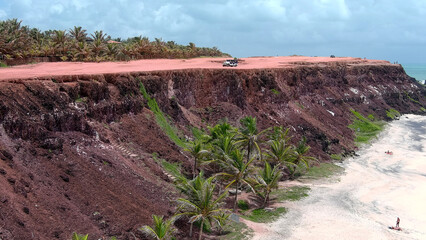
(77, 151)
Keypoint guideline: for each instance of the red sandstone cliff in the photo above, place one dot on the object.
(76, 151)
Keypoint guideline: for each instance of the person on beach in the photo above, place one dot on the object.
(397, 222)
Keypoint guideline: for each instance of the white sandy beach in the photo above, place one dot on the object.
(375, 189)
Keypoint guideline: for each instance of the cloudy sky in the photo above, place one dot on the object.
(393, 30)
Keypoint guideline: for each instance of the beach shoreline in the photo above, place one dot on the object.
(375, 189)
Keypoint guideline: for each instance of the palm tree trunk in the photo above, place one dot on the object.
(248, 152)
(194, 169)
(201, 229)
(236, 195)
(266, 199)
(190, 229)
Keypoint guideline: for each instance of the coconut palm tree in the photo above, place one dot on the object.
(197, 151)
(279, 152)
(266, 181)
(81, 51)
(76, 236)
(299, 155)
(249, 136)
(14, 38)
(98, 48)
(202, 205)
(59, 40)
(234, 171)
(162, 229)
(78, 34)
(99, 35)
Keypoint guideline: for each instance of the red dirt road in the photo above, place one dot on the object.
(79, 68)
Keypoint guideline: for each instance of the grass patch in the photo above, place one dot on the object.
(3, 65)
(261, 215)
(411, 99)
(172, 168)
(393, 114)
(324, 170)
(337, 157)
(198, 134)
(274, 91)
(300, 105)
(243, 205)
(236, 231)
(161, 119)
(423, 109)
(291, 194)
(364, 128)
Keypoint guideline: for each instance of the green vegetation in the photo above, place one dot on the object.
(201, 203)
(80, 99)
(291, 194)
(300, 105)
(236, 231)
(75, 44)
(393, 114)
(323, 170)
(423, 109)
(3, 65)
(411, 99)
(262, 215)
(243, 205)
(161, 230)
(172, 168)
(76, 236)
(162, 121)
(274, 91)
(364, 128)
(337, 157)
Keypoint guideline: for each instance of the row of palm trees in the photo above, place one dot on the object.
(228, 158)
(75, 44)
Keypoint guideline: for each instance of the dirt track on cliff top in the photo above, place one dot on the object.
(79, 68)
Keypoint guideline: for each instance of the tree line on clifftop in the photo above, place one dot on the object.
(75, 44)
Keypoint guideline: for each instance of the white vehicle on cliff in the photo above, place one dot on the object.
(230, 63)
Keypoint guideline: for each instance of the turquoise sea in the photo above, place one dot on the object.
(417, 71)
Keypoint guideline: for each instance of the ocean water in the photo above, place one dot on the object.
(417, 71)
(375, 189)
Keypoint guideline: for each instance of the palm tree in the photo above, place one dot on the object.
(197, 151)
(300, 157)
(78, 34)
(235, 170)
(14, 38)
(59, 40)
(278, 152)
(99, 35)
(266, 181)
(202, 205)
(81, 51)
(97, 48)
(190, 188)
(249, 136)
(162, 229)
(76, 236)
(220, 129)
(112, 50)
